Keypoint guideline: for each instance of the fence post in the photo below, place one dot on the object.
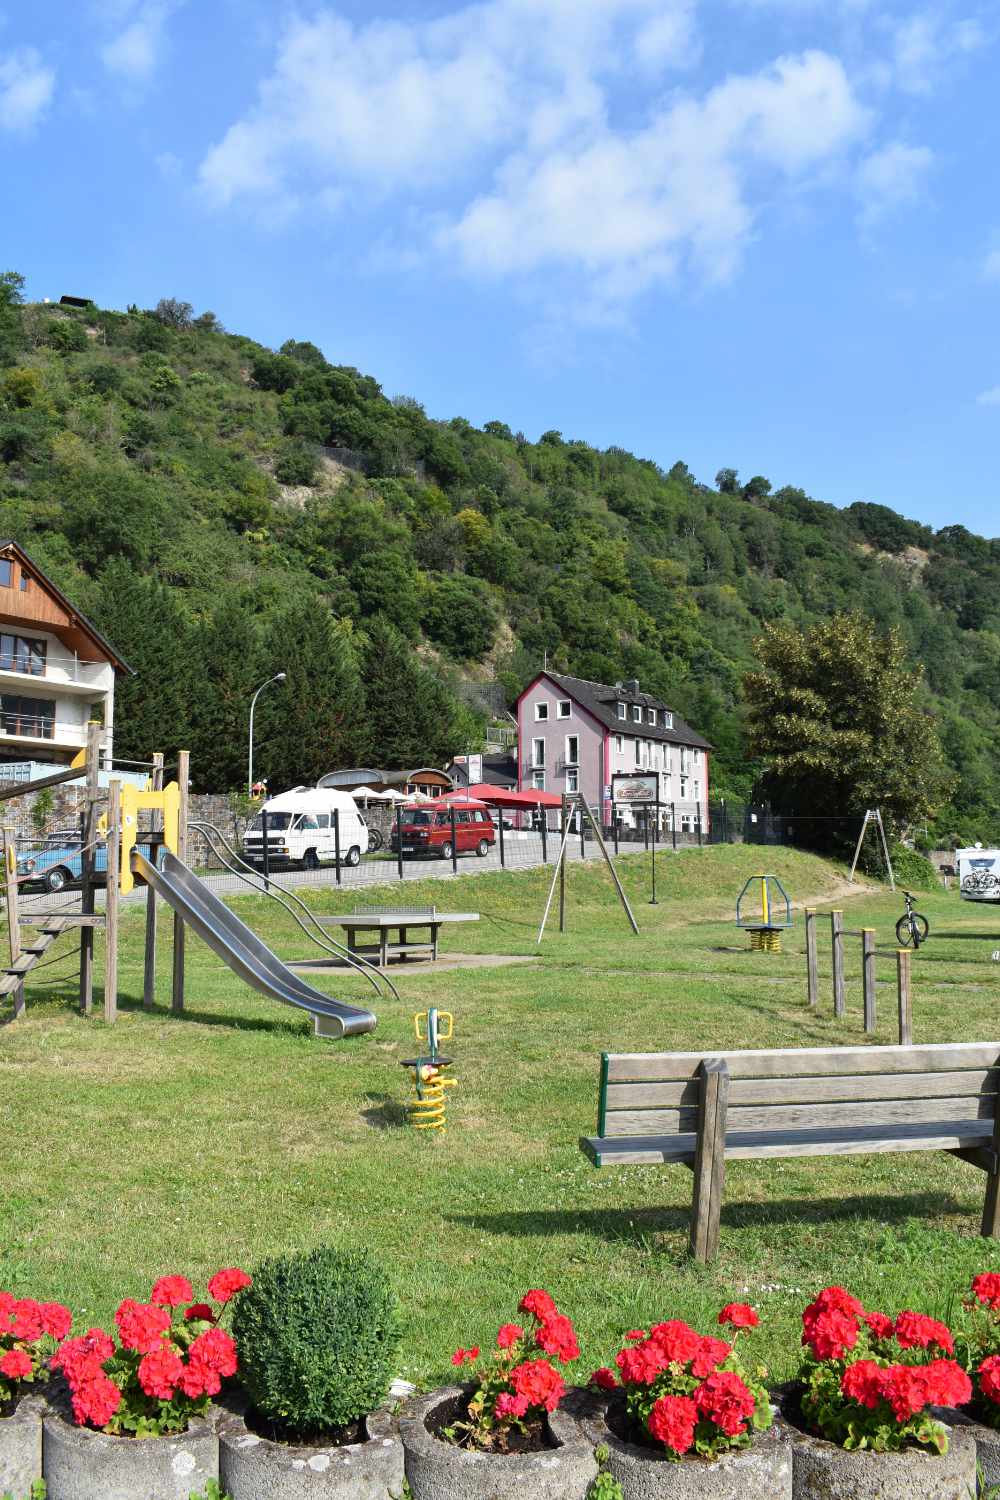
(562, 867)
(454, 845)
(87, 866)
(265, 849)
(399, 840)
(113, 846)
(615, 829)
(868, 976)
(837, 943)
(336, 840)
(645, 832)
(905, 999)
(699, 825)
(149, 957)
(183, 777)
(503, 850)
(545, 835)
(583, 843)
(812, 964)
(13, 917)
(673, 826)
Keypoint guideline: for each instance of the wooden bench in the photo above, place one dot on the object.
(704, 1110)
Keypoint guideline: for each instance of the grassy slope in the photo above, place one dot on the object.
(228, 1133)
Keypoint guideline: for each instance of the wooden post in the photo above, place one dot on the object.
(868, 977)
(710, 1159)
(905, 1000)
(87, 867)
(991, 1205)
(13, 915)
(837, 941)
(149, 965)
(114, 844)
(562, 869)
(812, 963)
(183, 768)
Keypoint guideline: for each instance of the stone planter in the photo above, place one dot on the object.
(987, 1440)
(763, 1472)
(21, 1446)
(437, 1471)
(254, 1468)
(822, 1471)
(80, 1464)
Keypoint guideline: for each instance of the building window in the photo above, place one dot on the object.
(651, 715)
(541, 712)
(622, 711)
(563, 708)
(572, 781)
(637, 713)
(572, 749)
(668, 719)
(6, 573)
(538, 752)
(538, 780)
(20, 654)
(30, 716)
(619, 744)
(25, 581)
(697, 791)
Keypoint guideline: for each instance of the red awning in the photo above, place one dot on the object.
(498, 796)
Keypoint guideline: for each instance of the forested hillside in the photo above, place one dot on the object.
(223, 512)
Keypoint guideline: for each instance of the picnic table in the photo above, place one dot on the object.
(383, 920)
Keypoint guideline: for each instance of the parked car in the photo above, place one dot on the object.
(302, 829)
(428, 830)
(55, 862)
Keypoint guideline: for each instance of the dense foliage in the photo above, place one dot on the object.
(221, 508)
(317, 1336)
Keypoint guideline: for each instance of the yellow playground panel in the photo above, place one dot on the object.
(763, 910)
(134, 801)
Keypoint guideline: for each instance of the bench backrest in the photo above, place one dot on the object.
(657, 1093)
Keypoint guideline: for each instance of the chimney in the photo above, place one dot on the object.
(631, 687)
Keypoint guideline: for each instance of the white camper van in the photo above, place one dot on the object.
(302, 829)
(978, 873)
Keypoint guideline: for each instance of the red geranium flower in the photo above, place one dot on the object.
(16, 1364)
(604, 1379)
(225, 1284)
(141, 1325)
(26, 1320)
(558, 1338)
(880, 1326)
(508, 1334)
(200, 1312)
(56, 1320)
(989, 1378)
(739, 1314)
(539, 1303)
(947, 1383)
(160, 1372)
(711, 1353)
(915, 1331)
(905, 1389)
(511, 1406)
(830, 1333)
(465, 1356)
(171, 1291)
(986, 1289)
(540, 1382)
(672, 1422)
(725, 1400)
(863, 1382)
(676, 1340)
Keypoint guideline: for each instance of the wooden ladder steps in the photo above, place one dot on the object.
(14, 972)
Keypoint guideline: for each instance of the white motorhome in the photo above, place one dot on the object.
(307, 826)
(978, 873)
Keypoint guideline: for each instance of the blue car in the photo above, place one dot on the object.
(55, 862)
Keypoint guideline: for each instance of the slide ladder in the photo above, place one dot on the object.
(240, 947)
(13, 974)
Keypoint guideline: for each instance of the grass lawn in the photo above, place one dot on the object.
(217, 1137)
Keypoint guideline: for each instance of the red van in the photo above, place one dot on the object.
(426, 829)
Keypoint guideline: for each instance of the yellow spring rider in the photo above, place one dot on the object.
(763, 910)
(428, 1107)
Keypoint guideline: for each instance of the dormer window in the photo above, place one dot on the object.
(668, 719)
(622, 711)
(637, 713)
(563, 708)
(541, 712)
(651, 715)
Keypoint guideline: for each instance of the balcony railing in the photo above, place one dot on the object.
(29, 726)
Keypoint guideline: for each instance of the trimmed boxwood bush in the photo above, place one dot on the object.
(317, 1336)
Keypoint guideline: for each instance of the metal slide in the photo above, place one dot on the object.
(239, 947)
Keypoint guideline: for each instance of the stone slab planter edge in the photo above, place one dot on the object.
(435, 1470)
(761, 1472)
(254, 1468)
(81, 1464)
(987, 1441)
(21, 1445)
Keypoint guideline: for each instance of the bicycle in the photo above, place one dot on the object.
(912, 928)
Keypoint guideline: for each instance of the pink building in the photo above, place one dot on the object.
(573, 735)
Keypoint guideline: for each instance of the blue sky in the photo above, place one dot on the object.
(757, 233)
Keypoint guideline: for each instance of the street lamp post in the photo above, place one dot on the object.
(278, 677)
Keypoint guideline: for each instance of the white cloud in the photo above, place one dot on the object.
(990, 397)
(26, 88)
(925, 42)
(136, 50)
(891, 178)
(522, 96)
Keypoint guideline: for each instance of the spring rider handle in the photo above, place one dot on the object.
(433, 1031)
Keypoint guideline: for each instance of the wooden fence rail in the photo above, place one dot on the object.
(869, 956)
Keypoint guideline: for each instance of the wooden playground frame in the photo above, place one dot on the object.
(122, 803)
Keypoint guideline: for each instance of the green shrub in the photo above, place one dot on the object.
(912, 871)
(317, 1336)
(296, 464)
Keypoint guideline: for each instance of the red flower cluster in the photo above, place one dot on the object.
(907, 1389)
(164, 1359)
(830, 1323)
(224, 1285)
(725, 1400)
(986, 1289)
(518, 1382)
(915, 1331)
(672, 1422)
(989, 1378)
(666, 1345)
(24, 1326)
(739, 1314)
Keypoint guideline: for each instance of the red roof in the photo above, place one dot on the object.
(498, 796)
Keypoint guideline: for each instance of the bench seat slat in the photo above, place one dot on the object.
(802, 1062)
(758, 1145)
(742, 1091)
(784, 1117)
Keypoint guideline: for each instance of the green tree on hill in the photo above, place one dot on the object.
(833, 712)
(151, 707)
(313, 722)
(410, 717)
